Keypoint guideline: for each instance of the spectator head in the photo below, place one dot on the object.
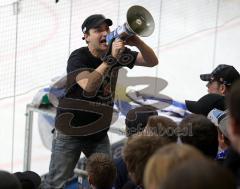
(233, 102)
(221, 79)
(136, 153)
(206, 103)
(28, 179)
(203, 134)
(161, 126)
(9, 181)
(136, 119)
(165, 160)
(24, 180)
(101, 171)
(220, 120)
(201, 174)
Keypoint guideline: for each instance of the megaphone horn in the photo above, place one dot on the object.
(139, 22)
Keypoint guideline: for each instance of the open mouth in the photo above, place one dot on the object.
(103, 41)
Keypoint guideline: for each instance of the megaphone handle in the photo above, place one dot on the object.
(122, 32)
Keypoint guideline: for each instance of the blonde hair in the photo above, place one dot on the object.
(164, 160)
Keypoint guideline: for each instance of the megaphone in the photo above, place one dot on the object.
(139, 22)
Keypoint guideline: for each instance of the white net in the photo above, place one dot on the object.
(37, 36)
(191, 37)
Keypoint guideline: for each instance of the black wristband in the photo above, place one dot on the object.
(125, 59)
(109, 59)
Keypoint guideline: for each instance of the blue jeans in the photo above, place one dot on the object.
(66, 151)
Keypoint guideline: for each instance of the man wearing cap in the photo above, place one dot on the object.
(220, 120)
(97, 68)
(221, 79)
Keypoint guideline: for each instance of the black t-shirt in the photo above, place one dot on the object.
(80, 60)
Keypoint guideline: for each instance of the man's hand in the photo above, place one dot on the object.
(146, 56)
(118, 47)
(133, 40)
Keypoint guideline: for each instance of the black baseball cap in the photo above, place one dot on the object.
(94, 21)
(206, 103)
(223, 73)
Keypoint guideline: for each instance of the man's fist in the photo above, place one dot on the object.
(118, 47)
